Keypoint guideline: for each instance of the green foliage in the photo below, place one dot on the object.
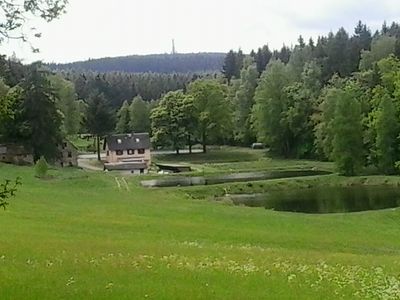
(67, 103)
(123, 119)
(270, 104)
(262, 58)
(41, 121)
(298, 59)
(233, 63)
(323, 118)
(149, 66)
(212, 111)
(173, 120)
(4, 102)
(387, 132)
(99, 115)
(139, 115)
(347, 150)
(243, 102)
(381, 47)
(99, 118)
(41, 168)
(15, 16)
(11, 115)
(8, 191)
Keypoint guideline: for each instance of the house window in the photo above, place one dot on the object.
(64, 145)
(108, 153)
(131, 151)
(141, 151)
(120, 152)
(69, 154)
(141, 171)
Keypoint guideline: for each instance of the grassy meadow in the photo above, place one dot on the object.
(88, 235)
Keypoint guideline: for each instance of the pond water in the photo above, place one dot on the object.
(235, 177)
(325, 199)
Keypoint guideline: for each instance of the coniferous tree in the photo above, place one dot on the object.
(41, 128)
(262, 58)
(139, 115)
(229, 68)
(99, 118)
(123, 119)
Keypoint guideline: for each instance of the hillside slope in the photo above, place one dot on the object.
(157, 63)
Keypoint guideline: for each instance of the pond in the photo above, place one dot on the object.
(235, 177)
(324, 200)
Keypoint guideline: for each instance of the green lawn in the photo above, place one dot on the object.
(79, 236)
(231, 159)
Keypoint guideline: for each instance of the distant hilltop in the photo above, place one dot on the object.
(156, 63)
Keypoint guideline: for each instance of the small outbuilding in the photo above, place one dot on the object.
(15, 154)
(68, 154)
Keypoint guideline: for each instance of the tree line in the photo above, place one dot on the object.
(336, 99)
(154, 63)
(333, 99)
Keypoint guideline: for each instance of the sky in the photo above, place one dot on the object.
(106, 28)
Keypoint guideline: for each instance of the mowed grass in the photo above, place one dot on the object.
(79, 236)
(235, 159)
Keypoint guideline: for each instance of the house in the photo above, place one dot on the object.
(68, 155)
(15, 154)
(18, 155)
(128, 152)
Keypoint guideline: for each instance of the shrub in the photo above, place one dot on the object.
(7, 190)
(41, 168)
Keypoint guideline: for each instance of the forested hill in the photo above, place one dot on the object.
(156, 63)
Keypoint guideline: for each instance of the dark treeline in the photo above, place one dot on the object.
(155, 63)
(118, 87)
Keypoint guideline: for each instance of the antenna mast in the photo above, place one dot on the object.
(173, 47)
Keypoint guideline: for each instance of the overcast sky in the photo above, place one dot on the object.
(99, 28)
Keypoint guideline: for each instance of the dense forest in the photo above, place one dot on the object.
(155, 63)
(118, 87)
(336, 98)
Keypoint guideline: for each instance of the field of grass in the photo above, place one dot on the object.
(83, 144)
(230, 159)
(87, 235)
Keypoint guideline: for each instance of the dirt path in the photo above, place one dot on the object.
(84, 163)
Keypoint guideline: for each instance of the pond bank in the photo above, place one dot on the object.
(229, 178)
(262, 187)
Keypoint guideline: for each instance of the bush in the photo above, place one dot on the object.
(41, 168)
(7, 190)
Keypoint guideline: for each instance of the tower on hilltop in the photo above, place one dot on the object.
(173, 47)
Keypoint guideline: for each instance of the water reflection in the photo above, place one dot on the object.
(325, 200)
